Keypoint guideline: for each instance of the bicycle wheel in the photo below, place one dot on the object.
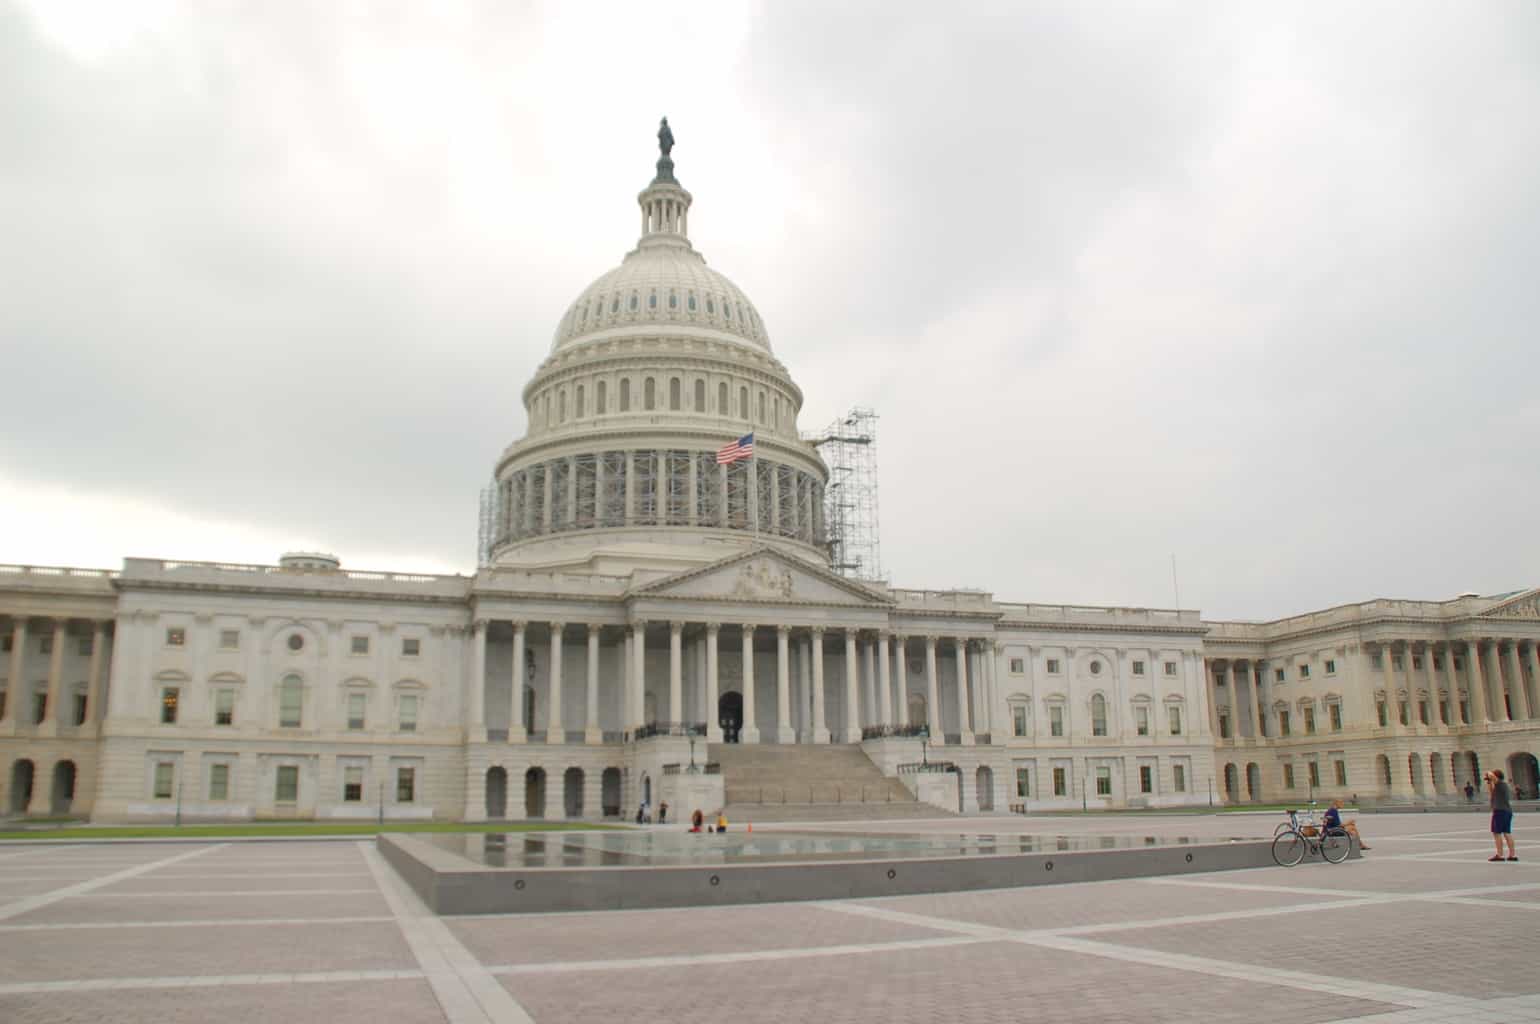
(1336, 844)
(1289, 849)
(1282, 828)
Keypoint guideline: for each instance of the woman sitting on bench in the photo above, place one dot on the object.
(1333, 819)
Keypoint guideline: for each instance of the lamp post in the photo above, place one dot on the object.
(924, 743)
(692, 755)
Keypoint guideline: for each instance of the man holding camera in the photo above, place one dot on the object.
(1502, 814)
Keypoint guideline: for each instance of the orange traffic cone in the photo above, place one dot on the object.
(751, 826)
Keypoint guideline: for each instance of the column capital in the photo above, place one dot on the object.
(595, 628)
(478, 624)
(557, 628)
(819, 630)
(783, 629)
(748, 629)
(676, 625)
(518, 624)
(638, 625)
(713, 628)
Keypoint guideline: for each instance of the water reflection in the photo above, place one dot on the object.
(657, 848)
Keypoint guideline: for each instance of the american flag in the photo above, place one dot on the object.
(743, 448)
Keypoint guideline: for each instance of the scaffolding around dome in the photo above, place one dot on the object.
(848, 447)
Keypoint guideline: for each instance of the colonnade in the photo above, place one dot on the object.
(874, 681)
(17, 711)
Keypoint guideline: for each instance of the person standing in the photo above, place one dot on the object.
(1470, 793)
(1502, 815)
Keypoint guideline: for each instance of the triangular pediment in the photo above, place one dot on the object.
(764, 575)
(1519, 606)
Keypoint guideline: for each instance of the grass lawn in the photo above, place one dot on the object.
(288, 828)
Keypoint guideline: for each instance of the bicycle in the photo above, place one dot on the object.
(1333, 844)
(1292, 824)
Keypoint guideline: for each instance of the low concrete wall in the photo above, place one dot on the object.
(450, 884)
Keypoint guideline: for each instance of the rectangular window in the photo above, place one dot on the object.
(1438, 663)
(1379, 706)
(81, 708)
(1219, 678)
(409, 713)
(229, 639)
(353, 784)
(406, 785)
(1224, 727)
(219, 782)
(1405, 712)
(1334, 712)
(1422, 712)
(1019, 720)
(1060, 782)
(224, 707)
(1098, 718)
(1443, 710)
(1053, 666)
(1018, 666)
(1309, 721)
(1142, 721)
(1279, 675)
(356, 704)
(1170, 668)
(1023, 782)
(1341, 770)
(1104, 782)
(87, 645)
(1179, 778)
(1283, 722)
(1315, 774)
(411, 647)
(45, 645)
(1138, 668)
(6, 641)
(170, 697)
(176, 636)
(1395, 662)
(1416, 661)
(1174, 720)
(1464, 712)
(1376, 662)
(1288, 776)
(291, 701)
(1056, 721)
(1459, 664)
(1304, 671)
(360, 645)
(165, 773)
(286, 789)
(1331, 666)
(1146, 779)
(39, 707)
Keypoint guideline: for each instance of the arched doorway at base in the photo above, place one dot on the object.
(609, 792)
(534, 793)
(497, 792)
(1523, 775)
(62, 797)
(22, 773)
(730, 715)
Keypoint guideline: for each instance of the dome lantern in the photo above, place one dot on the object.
(664, 202)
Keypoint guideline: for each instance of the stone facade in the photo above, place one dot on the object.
(644, 596)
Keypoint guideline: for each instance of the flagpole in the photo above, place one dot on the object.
(754, 479)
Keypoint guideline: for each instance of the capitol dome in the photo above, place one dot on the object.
(655, 366)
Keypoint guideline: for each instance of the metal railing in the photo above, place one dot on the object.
(652, 729)
(878, 732)
(815, 793)
(927, 767)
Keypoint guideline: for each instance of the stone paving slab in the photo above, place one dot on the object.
(1081, 903)
(986, 982)
(132, 952)
(169, 907)
(253, 881)
(1463, 949)
(603, 935)
(396, 1002)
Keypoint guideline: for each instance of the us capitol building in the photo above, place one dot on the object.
(654, 625)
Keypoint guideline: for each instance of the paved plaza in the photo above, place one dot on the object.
(1423, 929)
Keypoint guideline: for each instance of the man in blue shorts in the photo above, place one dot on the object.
(1502, 814)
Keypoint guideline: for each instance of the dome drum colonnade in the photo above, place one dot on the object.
(874, 698)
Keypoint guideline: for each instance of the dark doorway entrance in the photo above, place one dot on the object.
(572, 792)
(63, 793)
(21, 786)
(609, 792)
(497, 792)
(730, 715)
(1524, 775)
(534, 793)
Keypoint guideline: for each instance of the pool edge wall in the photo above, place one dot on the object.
(451, 885)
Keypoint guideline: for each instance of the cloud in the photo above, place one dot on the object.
(1246, 286)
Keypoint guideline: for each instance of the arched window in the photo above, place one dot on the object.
(649, 393)
(673, 299)
(673, 393)
(577, 406)
(625, 394)
(1098, 715)
(550, 411)
(692, 302)
(291, 702)
(700, 396)
(761, 407)
(777, 410)
(633, 302)
(601, 393)
(652, 300)
(722, 399)
(561, 406)
(743, 403)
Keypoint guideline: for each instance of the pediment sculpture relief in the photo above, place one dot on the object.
(1526, 609)
(761, 579)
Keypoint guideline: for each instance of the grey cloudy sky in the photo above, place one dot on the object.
(1253, 285)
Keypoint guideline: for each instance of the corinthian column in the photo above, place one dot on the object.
(965, 734)
(783, 730)
(933, 695)
(591, 731)
(1478, 684)
(852, 690)
(749, 733)
(884, 680)
(1516, 683)
(713, 722)
(555, 731)
(820, 730)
